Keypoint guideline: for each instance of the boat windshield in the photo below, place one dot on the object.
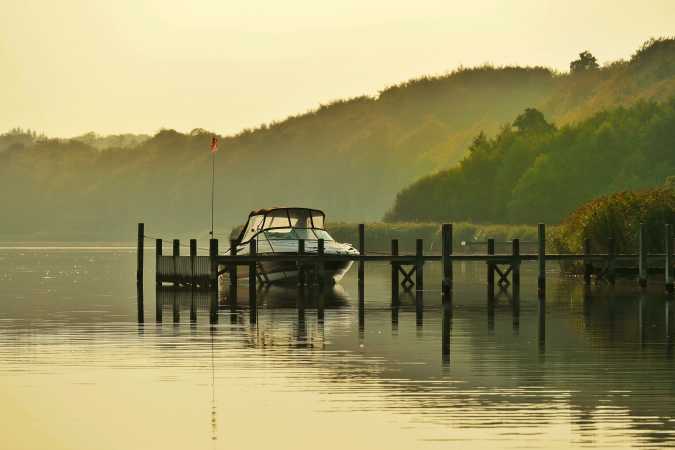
(285, 234)
(286, 223)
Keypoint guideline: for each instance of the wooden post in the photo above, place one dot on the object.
(611, 261)
(213, 253)
(252, 281)
(446, 249)
(419, 265)
(588, 265)
(301, 265)
(668, 269)
(541, 279)
(515, 267)
(176, 253)
(642, 263)
(394, 273)
(158, 253)
(233, 273)
(362, 251)
(491, 269)
(321, 275)
(193, 256)
(139, 253)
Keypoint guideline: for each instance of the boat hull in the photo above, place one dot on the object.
(286, 272)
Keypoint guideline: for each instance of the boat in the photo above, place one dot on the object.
(277, 231)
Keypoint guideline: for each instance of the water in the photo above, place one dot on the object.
(587, 369)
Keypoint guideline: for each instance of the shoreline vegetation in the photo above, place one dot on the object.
(589, 132)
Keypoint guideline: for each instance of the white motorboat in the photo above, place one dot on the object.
(279, 230)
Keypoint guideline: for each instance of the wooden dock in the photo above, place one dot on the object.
(407, 270)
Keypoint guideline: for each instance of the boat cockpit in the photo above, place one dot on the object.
(285, 224)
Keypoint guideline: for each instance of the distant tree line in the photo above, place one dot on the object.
(532, 171)
(349, 157)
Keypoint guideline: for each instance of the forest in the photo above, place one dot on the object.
(351, 157)
(534, 171)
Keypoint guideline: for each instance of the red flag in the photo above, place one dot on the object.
(214, 144)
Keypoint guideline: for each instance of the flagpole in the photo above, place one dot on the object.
(213, 180)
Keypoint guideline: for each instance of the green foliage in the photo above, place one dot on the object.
(349, 157)
(618, 216)
(585, 63)
(539, 173)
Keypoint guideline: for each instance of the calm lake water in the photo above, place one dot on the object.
(589, 368)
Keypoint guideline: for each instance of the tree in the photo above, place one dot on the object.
(585, 62)
(532, 120)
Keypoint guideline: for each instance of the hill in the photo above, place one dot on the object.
(532, 171)
(349, 157)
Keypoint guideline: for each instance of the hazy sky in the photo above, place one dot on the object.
(71, 66)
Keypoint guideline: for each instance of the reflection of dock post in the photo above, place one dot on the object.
(301, 264)
(233, 273)
(668, 269)
(158, 253)
(175, 306)
(611, 261)
(490, 269)
(252, 282)
(541, 257)
(158, 305)
(642, 257)
(395, 267)
(542, 326)
(588, 264)
(515, 268)
(447, 326)
(446, 253)
(139, 301)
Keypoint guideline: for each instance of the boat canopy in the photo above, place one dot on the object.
(275, 218)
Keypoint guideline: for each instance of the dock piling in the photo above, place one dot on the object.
(252, 280)
(362, 251)
(301, 266)
(139, 253)
(490, 268)
(320, 273)
(668, 269)
(541, 279)
(611, 261)
(213, 253)
(588, 265)
(232, 268)
(394, 273)
(158, 253)
(642, 257)
(515, 267)
(446, 252)
(419, 265)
